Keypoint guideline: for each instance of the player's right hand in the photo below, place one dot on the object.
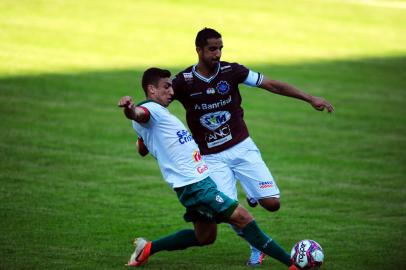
(126, 102)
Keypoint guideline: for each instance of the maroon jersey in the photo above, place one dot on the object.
(213, 106)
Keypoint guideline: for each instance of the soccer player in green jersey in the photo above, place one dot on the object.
(182, 166)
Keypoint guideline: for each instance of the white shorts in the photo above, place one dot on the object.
(242, 162)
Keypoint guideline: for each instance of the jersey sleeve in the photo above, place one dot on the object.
(147, 114)
(240, 72)
(246, 76)
(253, 78)
(143, 122)
(177, 85)
(154, 111)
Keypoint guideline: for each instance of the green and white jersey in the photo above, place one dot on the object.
(168, 140)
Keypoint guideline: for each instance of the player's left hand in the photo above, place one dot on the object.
(320, 103)
(141, 147)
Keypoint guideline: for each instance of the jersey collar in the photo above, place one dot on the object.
(149, 100)
(207, 80)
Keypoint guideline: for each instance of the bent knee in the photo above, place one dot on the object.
(206, 240)
(270, 204)
(240, 217)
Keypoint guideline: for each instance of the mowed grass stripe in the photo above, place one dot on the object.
(74, 193)
(78, 176)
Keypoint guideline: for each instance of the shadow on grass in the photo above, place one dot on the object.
(331, 78)
(373, 89)
(67, 167)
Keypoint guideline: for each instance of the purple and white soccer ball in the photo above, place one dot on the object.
(307, 254)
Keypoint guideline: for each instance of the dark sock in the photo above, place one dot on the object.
(176, 241)
(257, 238)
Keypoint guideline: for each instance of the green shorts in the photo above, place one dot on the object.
(204, 202)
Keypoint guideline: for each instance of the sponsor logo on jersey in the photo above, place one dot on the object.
(211, 91)
(219, 199)
(196, 94)
(201, 166)
(202, 169)
(215, 105)
(214, 120)
(184, 136)
(218, 136)
(225, 69)
(188, 77)
(265, 184)
(223, 87)
(196, 156)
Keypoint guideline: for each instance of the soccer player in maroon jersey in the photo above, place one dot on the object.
(210, 95)
(188, 175)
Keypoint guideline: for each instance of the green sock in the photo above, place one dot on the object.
(258, 239)
(176, 241)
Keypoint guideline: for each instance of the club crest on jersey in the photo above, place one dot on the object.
(184, 136)
(214, 120)
(211, 91)
(219, 199)
(223, 87)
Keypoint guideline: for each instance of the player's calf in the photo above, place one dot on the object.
(206, 232)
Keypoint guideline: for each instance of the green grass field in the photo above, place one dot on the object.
(73, 191)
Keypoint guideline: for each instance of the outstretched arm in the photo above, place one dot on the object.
(132, 112)
(285, 89)
(139, 114)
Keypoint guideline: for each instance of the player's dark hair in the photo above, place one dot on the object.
(152, 76)
(204, 34)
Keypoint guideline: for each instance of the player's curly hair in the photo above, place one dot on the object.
(152, 76)
(204, 34)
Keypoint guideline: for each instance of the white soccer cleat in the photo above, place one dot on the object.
(141, 253)
(256, 258)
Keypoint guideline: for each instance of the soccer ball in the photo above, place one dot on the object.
(307, 254)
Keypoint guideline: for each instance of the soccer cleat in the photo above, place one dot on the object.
(256, 258)
(141, 252)
(252, 202)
